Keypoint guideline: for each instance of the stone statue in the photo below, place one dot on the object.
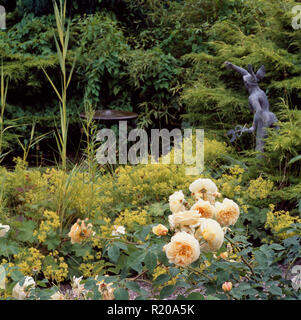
(258, 103)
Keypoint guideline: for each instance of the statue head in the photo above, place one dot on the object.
(251, 79)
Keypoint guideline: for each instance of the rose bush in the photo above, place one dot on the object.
(102, 235)
(178, 243)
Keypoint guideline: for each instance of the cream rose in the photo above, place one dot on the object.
(57, 296)
(77, 287)
(205, 208)
(106, 290)
(204, 189)
(188, 230)
(227, 286)
(3, 230)
(2, 278)
(227, 212)
(189, 218)
(22, 292)
(118, 230)
(160, 230)
(211, 232)
(79, 231)
(183, 249)
(176, 201)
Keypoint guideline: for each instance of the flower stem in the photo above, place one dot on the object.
(242, 258)
(200, 272)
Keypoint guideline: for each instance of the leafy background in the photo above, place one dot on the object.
(165, 61)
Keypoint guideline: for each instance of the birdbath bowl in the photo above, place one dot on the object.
(112, 116)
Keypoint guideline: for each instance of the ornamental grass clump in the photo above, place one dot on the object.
(200, 228)
(62, 44)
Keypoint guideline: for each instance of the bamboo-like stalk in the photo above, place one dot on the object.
(3, 96)
(32, 142)
(62, 43)
(3, 89)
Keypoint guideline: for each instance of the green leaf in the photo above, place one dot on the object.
(158, 209)
(17, 276)
(137, 267)
(276, 246)
(44, 294)
(144, 233)
(294, 159)
(162, 278)
(275, 291)
(53, 242)
(135, 258)
(121, 294)
(299, 205)
(150, 261)
(212, 298)
(8, 247)
(90, 284)
(244, 286)
(174, 271)
(80, 250)
(195, 296)
(108, 279)
(162, 257)
(260, 257)
(182, 283)
(42, 283)
(167, 291)
(141, 298)
(26, 231)
(121, 245)
(134, 286)
(114, 253)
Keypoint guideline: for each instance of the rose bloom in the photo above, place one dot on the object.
(224, 255)
(205, 208)
(204, 189)
(79, 231)
(160, 230)
(211, 232)
(23, 292)
(189, 218)
(118, 230)
(227, 286)
(188, 230)
(3, 230)
(182, 250)
(77, 287)
(57, 296)
(2, 277)
(105, 289)
(227, 212)
(176, 201)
